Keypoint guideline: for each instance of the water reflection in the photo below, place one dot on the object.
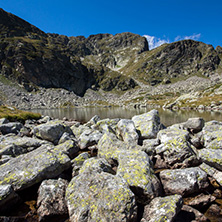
(168, 117)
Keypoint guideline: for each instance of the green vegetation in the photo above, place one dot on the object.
(13, 114)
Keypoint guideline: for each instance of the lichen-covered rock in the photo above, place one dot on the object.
(106, 125)
(33, 167)
(135, 167)
(51, 198)
(148, 124)
(162, 209)
(109, 143)
(78, 162)
(8, 197)
(15, 145)
(51, 131)
(211, 171)
(175, 148)
(100, 197)
(212, 135)
(212, 157)
(69, 147)
(127, 131)
(183, 181)
(93, 121)
(194, 124)
(66, 136)
(88, 138)
(79, 129)
(13, 127)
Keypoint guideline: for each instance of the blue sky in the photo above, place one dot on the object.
(160, 20)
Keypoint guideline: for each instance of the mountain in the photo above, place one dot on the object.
(105, 62)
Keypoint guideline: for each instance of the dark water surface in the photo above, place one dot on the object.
(167, 117)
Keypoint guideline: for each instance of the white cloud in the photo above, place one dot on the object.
(193, 37)
(155, 42)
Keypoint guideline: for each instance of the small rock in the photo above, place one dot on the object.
(162, 209)
(10, 128)
(51, 199)
(195, 125)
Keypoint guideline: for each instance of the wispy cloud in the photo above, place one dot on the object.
(155, 42)
(193, 37)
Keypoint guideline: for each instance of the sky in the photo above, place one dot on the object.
(160, 21)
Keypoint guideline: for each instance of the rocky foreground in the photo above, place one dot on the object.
(111, 170)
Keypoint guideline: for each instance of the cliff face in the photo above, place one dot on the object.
(110, 62)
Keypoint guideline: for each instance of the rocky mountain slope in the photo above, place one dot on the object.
(100, 63)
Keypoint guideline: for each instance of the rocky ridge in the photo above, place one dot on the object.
(126, 170)
(108, 69)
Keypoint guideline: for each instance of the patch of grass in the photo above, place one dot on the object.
(13, 114)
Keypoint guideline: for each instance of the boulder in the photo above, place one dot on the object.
(13, 127)
(127, 131)
(14, 145)
(96, 165)
(78, 162)
(79, 129)
(148, 124)
(211, 171)
(162, 209)
(28, 169)
(212, 135)
(175, 149)
(106, 125)
(95, 195)
(51, 199)
(195, 125)
(3, 121)
(51, 131)
(201, 201)
(134, 166)
(212, 157)
(93, 121)
(66, 136)
(89, 138)
(183, 181)
(8, 198)
(69, 147)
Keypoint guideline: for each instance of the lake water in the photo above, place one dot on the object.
(167, 117)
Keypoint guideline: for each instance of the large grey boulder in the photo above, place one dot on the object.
(175, 149)
(127, 131)
(212, 135)
(134, 166)
(212, 157)
(184, 181)
(51, 199)
(79, 129)
(13, 127)
(194, 124)
(51, 131)
(211, 171)
(28, 169)
(95, 195)
(148, 124)
(163, 209)
(14, 145)
(8, 197)
(89, 137)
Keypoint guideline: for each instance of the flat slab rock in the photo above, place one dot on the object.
(31, 168)
(162, 209)
(183, 181)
